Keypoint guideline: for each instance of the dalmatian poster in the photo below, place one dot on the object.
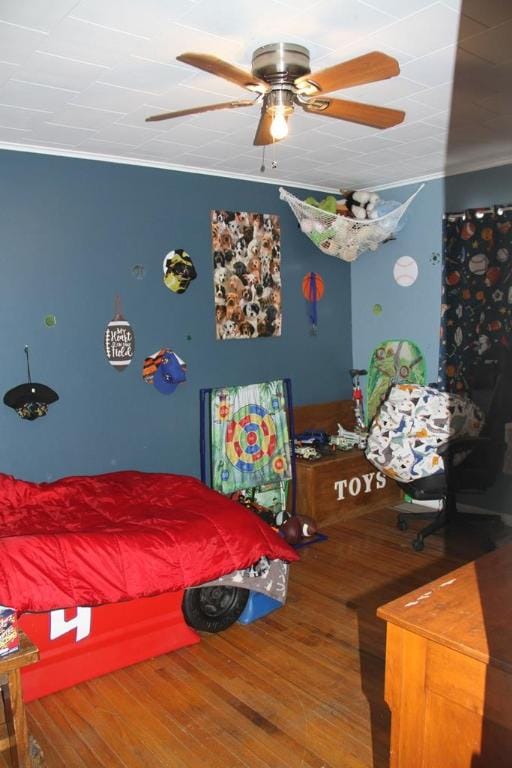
(247, 274)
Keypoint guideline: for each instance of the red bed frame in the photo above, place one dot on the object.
(78, 644)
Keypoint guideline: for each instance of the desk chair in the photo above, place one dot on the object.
(471, 464)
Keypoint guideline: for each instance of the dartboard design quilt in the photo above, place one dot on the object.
(250, 440)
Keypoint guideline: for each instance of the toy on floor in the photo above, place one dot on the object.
(297, 528)
(308, 526)
(291, 530)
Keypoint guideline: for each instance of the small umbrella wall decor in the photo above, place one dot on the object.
(119, 339)
(30, 400)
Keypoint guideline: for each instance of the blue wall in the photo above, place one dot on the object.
(407, 312)
(70, 231)
(479, 189)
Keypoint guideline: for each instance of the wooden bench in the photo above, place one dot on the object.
(344, 484)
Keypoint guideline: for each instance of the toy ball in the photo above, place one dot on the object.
(502, 255)
(478, 264)
(453, 278)
(308, 526)
(405, 271)
(492, 276)
(468, 230)
(307, 288)
(291, 531)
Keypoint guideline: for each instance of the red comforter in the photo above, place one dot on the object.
(123, 535)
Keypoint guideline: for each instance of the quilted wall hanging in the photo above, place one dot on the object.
(247, 274)
(249, 436)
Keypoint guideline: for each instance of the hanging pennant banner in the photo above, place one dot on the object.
(119, 340)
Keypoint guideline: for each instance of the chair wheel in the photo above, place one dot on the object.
(402, 524)
(418, 545)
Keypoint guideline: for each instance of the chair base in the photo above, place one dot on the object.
(447, 515)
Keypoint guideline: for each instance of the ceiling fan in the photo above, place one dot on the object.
(281, 77)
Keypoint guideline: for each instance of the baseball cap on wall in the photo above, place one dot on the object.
(170, 373)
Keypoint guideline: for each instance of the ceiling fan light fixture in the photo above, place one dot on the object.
(279, 125)
(279, 106)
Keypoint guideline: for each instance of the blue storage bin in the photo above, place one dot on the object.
(258, 605)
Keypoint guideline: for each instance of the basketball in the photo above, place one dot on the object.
(308, 526)
(307, 286)
(291, 530)
(405, 271)
(467, 231)
(453, 278)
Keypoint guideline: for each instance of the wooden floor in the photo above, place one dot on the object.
(302, 688)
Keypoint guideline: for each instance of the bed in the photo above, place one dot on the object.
(96, 567)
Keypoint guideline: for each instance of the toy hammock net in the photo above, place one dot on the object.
(342, 236)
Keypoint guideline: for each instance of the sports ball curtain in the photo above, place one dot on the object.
(476, 299)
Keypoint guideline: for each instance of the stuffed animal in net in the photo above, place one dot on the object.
(362, 205)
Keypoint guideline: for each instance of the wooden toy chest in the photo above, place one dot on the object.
(341, 486)
(344, 484)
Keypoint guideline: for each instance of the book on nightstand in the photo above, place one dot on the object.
(9, 640)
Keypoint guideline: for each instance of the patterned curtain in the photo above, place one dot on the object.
(476, 305)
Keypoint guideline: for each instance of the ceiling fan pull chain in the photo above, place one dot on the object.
(274, 161)
(262, 167)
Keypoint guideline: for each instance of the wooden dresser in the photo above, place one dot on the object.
(449, 669)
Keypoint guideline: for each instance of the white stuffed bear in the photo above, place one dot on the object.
(362, 205)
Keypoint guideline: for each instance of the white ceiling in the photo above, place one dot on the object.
(79, 76)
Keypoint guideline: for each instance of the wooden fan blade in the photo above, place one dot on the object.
(198, 110)
(263, 135)
(356, 112)
(364, 69)
(224, 69)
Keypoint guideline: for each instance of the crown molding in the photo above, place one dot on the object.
(119, 160)
(468, 167)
